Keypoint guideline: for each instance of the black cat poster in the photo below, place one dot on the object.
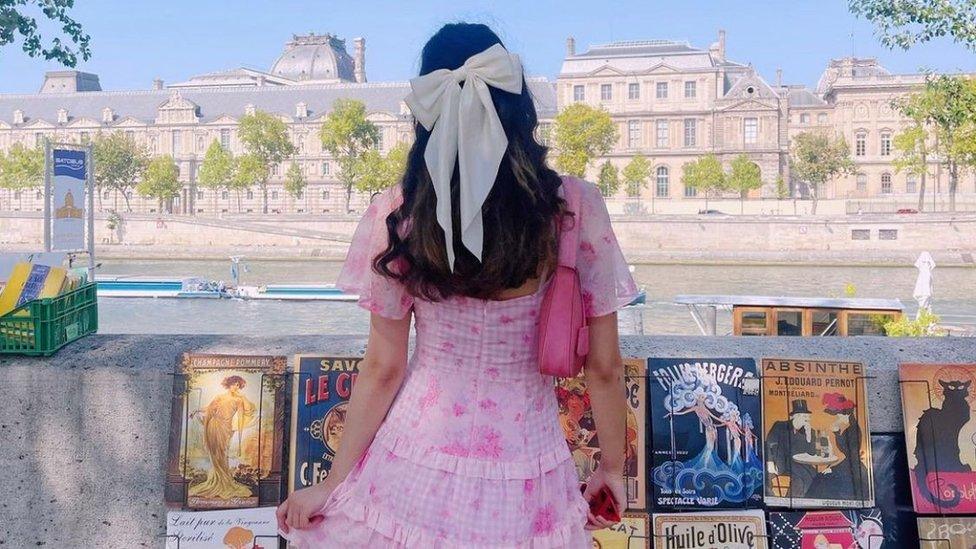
(937, 402)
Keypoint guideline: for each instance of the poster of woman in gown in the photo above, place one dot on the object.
(226, 432)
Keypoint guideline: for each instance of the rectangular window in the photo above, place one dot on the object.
(862, 183)
(223, 195)
(911, 184)
(662, 134)
(662, 90)
(691, 132)
(888, 234)
(578, 94)
(274, 195)
(691, 192)
(250, 195)
(750, 130)
(822, 119)
(691, 89)
(177, 144)
(325, 194)
(886, 144)
(860, 144)
(804, 119)
(633, 91)
(606, 92)
(325, 168)
(860, 234)
(225, 138)
(633, 134)
(886, 183)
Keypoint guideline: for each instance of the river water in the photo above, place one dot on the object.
(955, 296)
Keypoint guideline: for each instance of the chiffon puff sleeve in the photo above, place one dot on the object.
(604, 275)
(377, 293)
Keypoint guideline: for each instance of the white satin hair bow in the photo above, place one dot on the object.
(465, 127)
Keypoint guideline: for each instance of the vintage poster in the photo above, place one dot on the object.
(946, 532)
(706, 450)
(233, 529)
(576, 418)
(817, 446)
(940, 436)
(851, 529)
(227, 432)
(632, 532)
(321, 389)
(710, 530)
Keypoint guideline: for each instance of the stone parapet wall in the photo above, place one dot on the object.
(83, 434)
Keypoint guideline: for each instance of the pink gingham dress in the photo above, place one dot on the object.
(471, 453)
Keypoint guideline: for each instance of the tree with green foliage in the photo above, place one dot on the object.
(943, 113)
(581, 133)
(378, 173)
(905, 23)
(912, 147)
(265, 138)
(216, 170)
(161, 181)
(21, 168)
(817, 157)
(744, 176)
(635, 175)
(705, 175)
(295, 182)
(348, 136)
(119, 163)
(16, 23)
(608, 181)
(782, 190)
(249, 170)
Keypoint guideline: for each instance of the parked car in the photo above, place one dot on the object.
(710, 212)
(907, 211)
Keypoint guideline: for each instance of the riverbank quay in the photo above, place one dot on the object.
(84, 434)
(867, 239)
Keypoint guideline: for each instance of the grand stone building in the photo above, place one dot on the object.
(671, 102)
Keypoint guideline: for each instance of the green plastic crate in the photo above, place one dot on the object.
(43, 326)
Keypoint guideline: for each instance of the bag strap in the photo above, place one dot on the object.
(569, 237)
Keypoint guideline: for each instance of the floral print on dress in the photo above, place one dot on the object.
(471, 453)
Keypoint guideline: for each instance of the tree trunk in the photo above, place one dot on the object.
(128, 205)
(238, 201)
(348, 195)
(264, 192)
(814, 197)
(921, 189)
(953, 182)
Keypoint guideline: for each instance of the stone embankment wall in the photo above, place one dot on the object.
(83, 434)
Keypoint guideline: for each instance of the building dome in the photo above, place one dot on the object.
(315, 57)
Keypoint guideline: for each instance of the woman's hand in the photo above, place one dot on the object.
(299, 509)
(613, 481)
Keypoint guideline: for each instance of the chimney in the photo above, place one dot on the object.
(157, 84)
(359, 59)
(570, 46)
(721, 44)
(779, 77)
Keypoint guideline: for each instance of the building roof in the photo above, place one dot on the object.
(213, 103)
(801, 96)
(641, 56)
(241, 76)
(315, 57)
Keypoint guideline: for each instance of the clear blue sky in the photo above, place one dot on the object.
(136, 41)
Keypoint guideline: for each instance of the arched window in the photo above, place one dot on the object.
(862, 183)
(662, 189)
(886, 183)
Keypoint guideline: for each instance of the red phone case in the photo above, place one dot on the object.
(603, 504)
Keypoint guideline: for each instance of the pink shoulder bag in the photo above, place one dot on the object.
(563, 335)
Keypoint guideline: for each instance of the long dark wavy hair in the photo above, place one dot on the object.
(520, 213)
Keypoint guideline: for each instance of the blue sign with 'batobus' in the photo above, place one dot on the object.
(70, 163)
